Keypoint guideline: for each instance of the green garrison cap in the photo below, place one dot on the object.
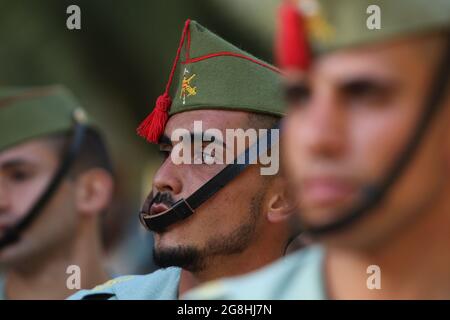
(327, 25)
(27, 113)
(211, 73)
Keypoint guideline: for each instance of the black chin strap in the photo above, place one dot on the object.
(374, 194)
(13, 234)
(184, 208)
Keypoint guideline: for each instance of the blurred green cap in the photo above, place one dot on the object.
(32, 112)
(336, 24)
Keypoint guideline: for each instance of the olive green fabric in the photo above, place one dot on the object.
(335, 24)
(27, 113)
(224, 82)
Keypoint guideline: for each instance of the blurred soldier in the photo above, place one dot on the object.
(367, 152)
(211, 220)
(55, 183)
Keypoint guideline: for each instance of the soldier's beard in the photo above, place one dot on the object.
(195, 259)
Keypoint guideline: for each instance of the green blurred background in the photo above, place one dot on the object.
(117, 64)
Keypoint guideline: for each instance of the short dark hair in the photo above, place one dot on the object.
(263, 121)
(93, 152)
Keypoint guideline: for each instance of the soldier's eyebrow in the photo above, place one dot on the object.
(214, 139)
(367, 84)
(14, 163)
(295, 92)
(165, 140)
(201, 134)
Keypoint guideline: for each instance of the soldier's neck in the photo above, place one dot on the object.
(50, 275)
(413, 265)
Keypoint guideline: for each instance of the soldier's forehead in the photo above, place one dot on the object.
(394, 59)
(30, 151)
(219, 119)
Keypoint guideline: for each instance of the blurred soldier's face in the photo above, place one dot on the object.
(349, 120)
(25, 171)
(225, 224)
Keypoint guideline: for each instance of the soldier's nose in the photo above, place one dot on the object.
(166, 179)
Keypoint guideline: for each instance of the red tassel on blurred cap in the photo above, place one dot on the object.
(153, 125)
(291, 44)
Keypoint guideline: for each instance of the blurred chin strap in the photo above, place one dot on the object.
(184, 208)
(374, 195)
(12, 234)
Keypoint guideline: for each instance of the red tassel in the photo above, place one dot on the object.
(153, 126)
(291, 46)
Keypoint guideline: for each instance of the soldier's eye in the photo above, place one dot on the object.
(202, 156)
(165, 151)
(20, 175)
(366, 92)
(208, 157)
(360, 88)
(297, 95)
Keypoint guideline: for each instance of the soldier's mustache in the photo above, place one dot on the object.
(164, 198)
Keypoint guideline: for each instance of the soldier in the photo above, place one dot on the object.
(367, 152)
(210, 220)
(55, 182)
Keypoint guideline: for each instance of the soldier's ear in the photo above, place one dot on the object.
(93, 191)
(280, 202)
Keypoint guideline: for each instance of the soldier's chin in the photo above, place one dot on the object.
(323, 216)
(186, 257)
